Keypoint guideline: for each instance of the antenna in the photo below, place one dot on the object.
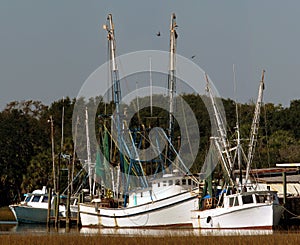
(239, 149)
(151, 89)
(62, 125)
(235, 98)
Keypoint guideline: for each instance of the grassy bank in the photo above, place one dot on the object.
(54, 238)
(6, 214)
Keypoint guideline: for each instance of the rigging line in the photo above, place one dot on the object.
(185, 124)
(295, 215)
(178, 157)
(109, 85)
(135, 106)
(114, 141)
(184, 117)
(137, 101)
(107, 82)
(183, 171)
(136, 153)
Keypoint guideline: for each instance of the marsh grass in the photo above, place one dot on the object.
(6, 214)
(56, 238)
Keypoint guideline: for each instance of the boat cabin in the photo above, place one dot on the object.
(257, 197)
(39, 198)
(164, 187)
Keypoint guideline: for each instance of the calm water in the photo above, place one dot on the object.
(41, 229)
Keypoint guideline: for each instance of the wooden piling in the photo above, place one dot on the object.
(57, 210)
(284, 187)
(49, 207)
(68, 210)
(78, 211)
(284, 196)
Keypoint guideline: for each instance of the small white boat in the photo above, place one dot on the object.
(34, 208)
(244, 210)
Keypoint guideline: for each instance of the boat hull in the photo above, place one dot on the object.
(264, 216)
(31, 215)
(169, 212)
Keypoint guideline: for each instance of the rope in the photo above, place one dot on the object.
(295, 215)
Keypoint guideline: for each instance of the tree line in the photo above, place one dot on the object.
(26, 150)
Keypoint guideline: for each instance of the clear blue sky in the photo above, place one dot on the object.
(49, 48)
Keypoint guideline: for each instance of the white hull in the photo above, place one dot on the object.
(172, 211)
(34, 209)
(263, 216)
(27, 214)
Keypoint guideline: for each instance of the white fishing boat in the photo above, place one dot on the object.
(166, 204)
(237, 204)
(34, 208)
(164, 201)
(245, 210)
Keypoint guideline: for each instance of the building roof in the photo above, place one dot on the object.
(279, 179)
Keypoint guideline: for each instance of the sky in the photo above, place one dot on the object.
(49, 48)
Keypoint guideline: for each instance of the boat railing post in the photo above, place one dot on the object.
(68, 211)
(49, 208)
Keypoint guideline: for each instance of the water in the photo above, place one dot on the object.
(6, 228)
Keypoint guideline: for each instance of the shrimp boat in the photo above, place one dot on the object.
(34, 208)
(164, 201)
(239, 203)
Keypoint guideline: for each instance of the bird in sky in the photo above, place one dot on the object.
(193, 56)
(158, 34)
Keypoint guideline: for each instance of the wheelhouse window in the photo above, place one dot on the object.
(27, 199)
(170, 182)
(231, 199)
(236, 201)
(45, 199)
(183, 181)
(247, 199)
(36, 198)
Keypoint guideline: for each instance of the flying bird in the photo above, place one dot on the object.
(158, 34)
(193, 56)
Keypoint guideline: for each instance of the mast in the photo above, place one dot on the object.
(221, 141)
(255, 125)
(172, 79)
(109, 27)
(88, 149)
(53, 154)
